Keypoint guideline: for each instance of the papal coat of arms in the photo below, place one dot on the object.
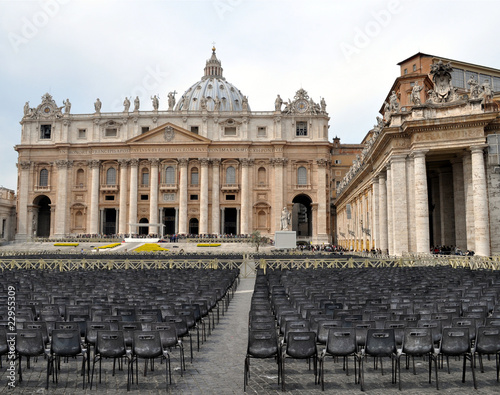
(168, 134)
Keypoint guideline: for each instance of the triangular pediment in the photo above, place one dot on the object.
(168, 133)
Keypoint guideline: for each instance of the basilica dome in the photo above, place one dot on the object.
(213, 92)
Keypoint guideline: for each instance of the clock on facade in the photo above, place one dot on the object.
(301, 105)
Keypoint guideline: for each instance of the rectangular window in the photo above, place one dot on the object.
(496, 84)
(406, 71)
(82, 133)
(145, 179)
(144, 197)
(301, 129)
(111, 132)
(230, 131)
(194, 129)
(261, 132)
(45, 131)
(230, 197)
(109, 197)
(337, 161)
(493, 141)
(193, 197)
(145, 129)
(414, 67)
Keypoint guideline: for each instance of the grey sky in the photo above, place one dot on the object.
(344, 51)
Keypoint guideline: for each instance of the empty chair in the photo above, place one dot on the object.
(262, 344)
(380, 343)
(109, 344)
(29, 343)
(455, 342)
(65, 343)
(147, 345)
(169, 339)
(341, 342)
(488, 343)
(299, 345)
(418, 342)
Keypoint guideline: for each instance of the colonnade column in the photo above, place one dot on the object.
(122, 216)
(469, 201)
(375, 214)
(390, 225)
(322, 201)
(203, 229)
(481, 220)
(400, 204)
(216, 196)
(132, 209)
(245, 164)
(22, 219)
(459, 204)
(278, 164)
(94, 197)
(183, 163)
(62, 197)
(421, 204)
(382, 210)
(153, 196)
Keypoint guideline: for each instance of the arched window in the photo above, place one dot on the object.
(302, 176)
(44, 178)
(145, 177)
(261, 176)
(79, 220)
(80, 174)
(194, 176)
(262, 219)
(111, 176)
(170, 175)
(230, 175)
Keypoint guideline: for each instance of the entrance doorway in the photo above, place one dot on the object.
(109, 222)
(143, 229)
(230, 221)
(42, 227)
(302, 216)
(193, 226)
(169, 220)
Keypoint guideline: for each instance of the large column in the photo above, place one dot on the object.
(410, 195)
(153, 196)
(382, 209)
(278, 165)
(400, 204)
(22, 213)
(94, 198)
(421, 204)
(469, 201)
(62, 198)
(390, 212)
(375, 214)
(447, 207)
(132, 213)
(122, 212)
(203, 229)
(459, 204)
(245, 198)
(480, 193)
(323, 209)
(183, 183)
(215, 196)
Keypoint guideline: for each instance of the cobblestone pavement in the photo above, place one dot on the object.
(218, 369)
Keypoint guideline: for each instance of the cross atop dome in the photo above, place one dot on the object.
(213, 67)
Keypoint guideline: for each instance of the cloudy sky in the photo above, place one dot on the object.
(344, 51)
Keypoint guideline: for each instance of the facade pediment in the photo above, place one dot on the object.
(168, 133)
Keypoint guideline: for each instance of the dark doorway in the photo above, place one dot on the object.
(143, 230)
(302, 216)
(169, 220)
(230, 221)
(43, 226)
(193, 226)
(109, 223)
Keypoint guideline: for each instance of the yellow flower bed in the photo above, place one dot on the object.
(208, 245)
(109, 246)
(66, 244)
(150, 247)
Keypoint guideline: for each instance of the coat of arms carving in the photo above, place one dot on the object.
(168, 133)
